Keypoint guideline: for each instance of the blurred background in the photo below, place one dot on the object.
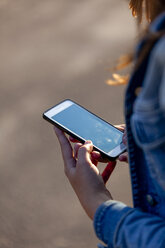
(52, 50)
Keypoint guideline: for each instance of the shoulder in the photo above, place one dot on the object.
(158, 52)
(158, 55)
(154, 83)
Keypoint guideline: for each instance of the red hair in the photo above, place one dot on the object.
(140, 8)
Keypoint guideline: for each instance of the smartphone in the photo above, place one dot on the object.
(83, 125)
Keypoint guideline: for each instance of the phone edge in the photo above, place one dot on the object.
(74, 136)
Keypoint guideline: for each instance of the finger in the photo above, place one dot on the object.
(84, 152)
(108, 171)
(76, 148)
(121, 127)
(124, 138)
(99, 157)
(95, 156)
(73, 139)
(66, 149)
(123, 157)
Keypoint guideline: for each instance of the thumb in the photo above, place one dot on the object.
(84, 152)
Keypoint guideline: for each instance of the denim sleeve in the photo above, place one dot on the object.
(162, 90)
(120, 226)
(157, 69)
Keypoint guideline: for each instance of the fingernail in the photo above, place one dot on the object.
(88, 142)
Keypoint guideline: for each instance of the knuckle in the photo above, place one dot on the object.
(77, 146)
(83, 149)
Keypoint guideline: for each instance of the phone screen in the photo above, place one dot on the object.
(89, 127)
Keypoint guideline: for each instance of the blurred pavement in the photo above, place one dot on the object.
(52, 50)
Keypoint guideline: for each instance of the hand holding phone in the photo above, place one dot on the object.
(84, 125)
(84, 176)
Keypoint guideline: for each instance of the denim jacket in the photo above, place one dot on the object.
(116, 224)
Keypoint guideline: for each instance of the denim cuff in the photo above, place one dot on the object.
(107, 220)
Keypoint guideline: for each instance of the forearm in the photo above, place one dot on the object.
(91, 204)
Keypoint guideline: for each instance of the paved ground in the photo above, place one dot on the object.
(52, 50)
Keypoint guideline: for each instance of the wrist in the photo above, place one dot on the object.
(99, 199)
